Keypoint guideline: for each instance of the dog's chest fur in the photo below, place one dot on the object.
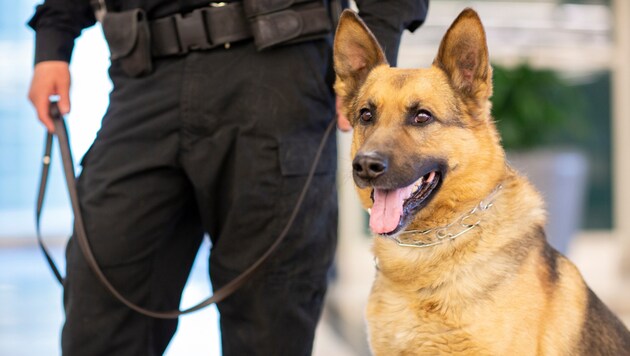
(471, 304)
(406, 330)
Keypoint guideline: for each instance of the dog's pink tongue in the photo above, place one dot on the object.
(387, 209)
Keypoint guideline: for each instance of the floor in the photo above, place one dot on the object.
(31, 311)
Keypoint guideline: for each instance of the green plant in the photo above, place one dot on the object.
(535, 107)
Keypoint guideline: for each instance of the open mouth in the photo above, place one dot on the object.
(393, 208)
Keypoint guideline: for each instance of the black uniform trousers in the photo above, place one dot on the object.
(221, 142)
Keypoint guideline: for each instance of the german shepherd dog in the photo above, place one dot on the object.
(463, 265)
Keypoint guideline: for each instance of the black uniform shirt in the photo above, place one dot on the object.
(58, 22)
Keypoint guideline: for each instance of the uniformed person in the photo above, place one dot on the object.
(213, 122)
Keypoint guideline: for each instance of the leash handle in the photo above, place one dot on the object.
(46, 160)
(81, 236)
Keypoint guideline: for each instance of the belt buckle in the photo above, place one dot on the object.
(191, 31)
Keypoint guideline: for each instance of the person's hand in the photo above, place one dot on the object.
(50, 78)
(342, 121)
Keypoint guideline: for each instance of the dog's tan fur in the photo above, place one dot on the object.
(499, 289)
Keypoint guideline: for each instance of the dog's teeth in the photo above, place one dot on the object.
(431, 176)
(369, 211)
(417, 185)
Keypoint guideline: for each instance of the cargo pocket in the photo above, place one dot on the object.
(298, 153)
(311, 240)
(127, 34)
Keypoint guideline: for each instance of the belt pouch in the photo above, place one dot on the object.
(277, 22)
(127, 34)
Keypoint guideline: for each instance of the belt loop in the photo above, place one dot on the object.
(215, 5)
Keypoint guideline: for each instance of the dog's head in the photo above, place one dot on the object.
(423, 139)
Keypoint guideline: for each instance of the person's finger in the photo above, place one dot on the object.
(39, 99)
(342, 121)
(42, 105)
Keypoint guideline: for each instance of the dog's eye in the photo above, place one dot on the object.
(423, 117)
(365, 115)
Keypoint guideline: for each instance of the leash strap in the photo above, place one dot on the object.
(81, 236)
(40, 204)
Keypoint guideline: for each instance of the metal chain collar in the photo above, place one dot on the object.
(451, 231)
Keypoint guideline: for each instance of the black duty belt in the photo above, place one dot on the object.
(221, 24)
(205, 28)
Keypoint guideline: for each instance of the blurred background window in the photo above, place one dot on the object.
(21, 135)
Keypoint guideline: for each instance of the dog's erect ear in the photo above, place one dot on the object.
(463, 55)
(356, 53)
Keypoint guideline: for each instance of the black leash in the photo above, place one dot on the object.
(81, 237)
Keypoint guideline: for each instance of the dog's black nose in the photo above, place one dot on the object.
(369, 165)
